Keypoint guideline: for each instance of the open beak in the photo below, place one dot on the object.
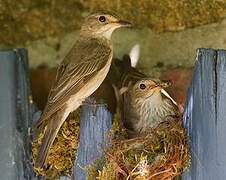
(124, 23)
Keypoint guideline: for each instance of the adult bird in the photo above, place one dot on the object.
(80, 73)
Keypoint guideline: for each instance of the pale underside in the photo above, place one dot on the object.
(142, 114)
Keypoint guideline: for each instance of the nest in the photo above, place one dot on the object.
(162, 155)
(62, 153)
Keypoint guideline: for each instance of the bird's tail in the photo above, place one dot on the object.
(53, 126)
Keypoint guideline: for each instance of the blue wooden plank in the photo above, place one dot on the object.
(199, 116)
(221, 113)
(205, 116)
(15, 116)
(92, 137)
(93, 126)
(24, 109)
(7, 115)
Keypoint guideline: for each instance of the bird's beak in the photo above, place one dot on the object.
(156, 87)
(123, 23)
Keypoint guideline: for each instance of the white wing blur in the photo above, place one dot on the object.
(134, 55)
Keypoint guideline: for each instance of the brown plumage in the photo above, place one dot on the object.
(146, 104)
(79, 75)
(121, 72)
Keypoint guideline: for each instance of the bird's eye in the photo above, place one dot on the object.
(102, 19)
(142, 86)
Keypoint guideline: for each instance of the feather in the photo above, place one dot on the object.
(134, 55)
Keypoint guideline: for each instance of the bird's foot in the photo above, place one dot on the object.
(94, 106)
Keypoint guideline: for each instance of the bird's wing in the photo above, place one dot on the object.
(84, 60)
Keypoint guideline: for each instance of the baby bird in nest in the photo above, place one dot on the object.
(146, 104)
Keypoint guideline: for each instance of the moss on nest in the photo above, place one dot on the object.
(62, 153)
(163, 156)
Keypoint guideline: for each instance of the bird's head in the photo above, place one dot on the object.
(147, 88)
(102, 24)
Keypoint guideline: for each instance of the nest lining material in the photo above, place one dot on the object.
(163, 155)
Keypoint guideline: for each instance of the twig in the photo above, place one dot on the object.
(132, 171)
(159, 173)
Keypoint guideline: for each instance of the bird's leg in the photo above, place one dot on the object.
(94, 106)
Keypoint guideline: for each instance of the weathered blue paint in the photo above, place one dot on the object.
(92, 137)
(15, 116)
(205, 116)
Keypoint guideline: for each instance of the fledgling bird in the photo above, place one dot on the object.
(123, 71)
(146, 104)
(80, 73)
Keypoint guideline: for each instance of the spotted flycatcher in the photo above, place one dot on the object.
(80, 73)
(146, 104)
